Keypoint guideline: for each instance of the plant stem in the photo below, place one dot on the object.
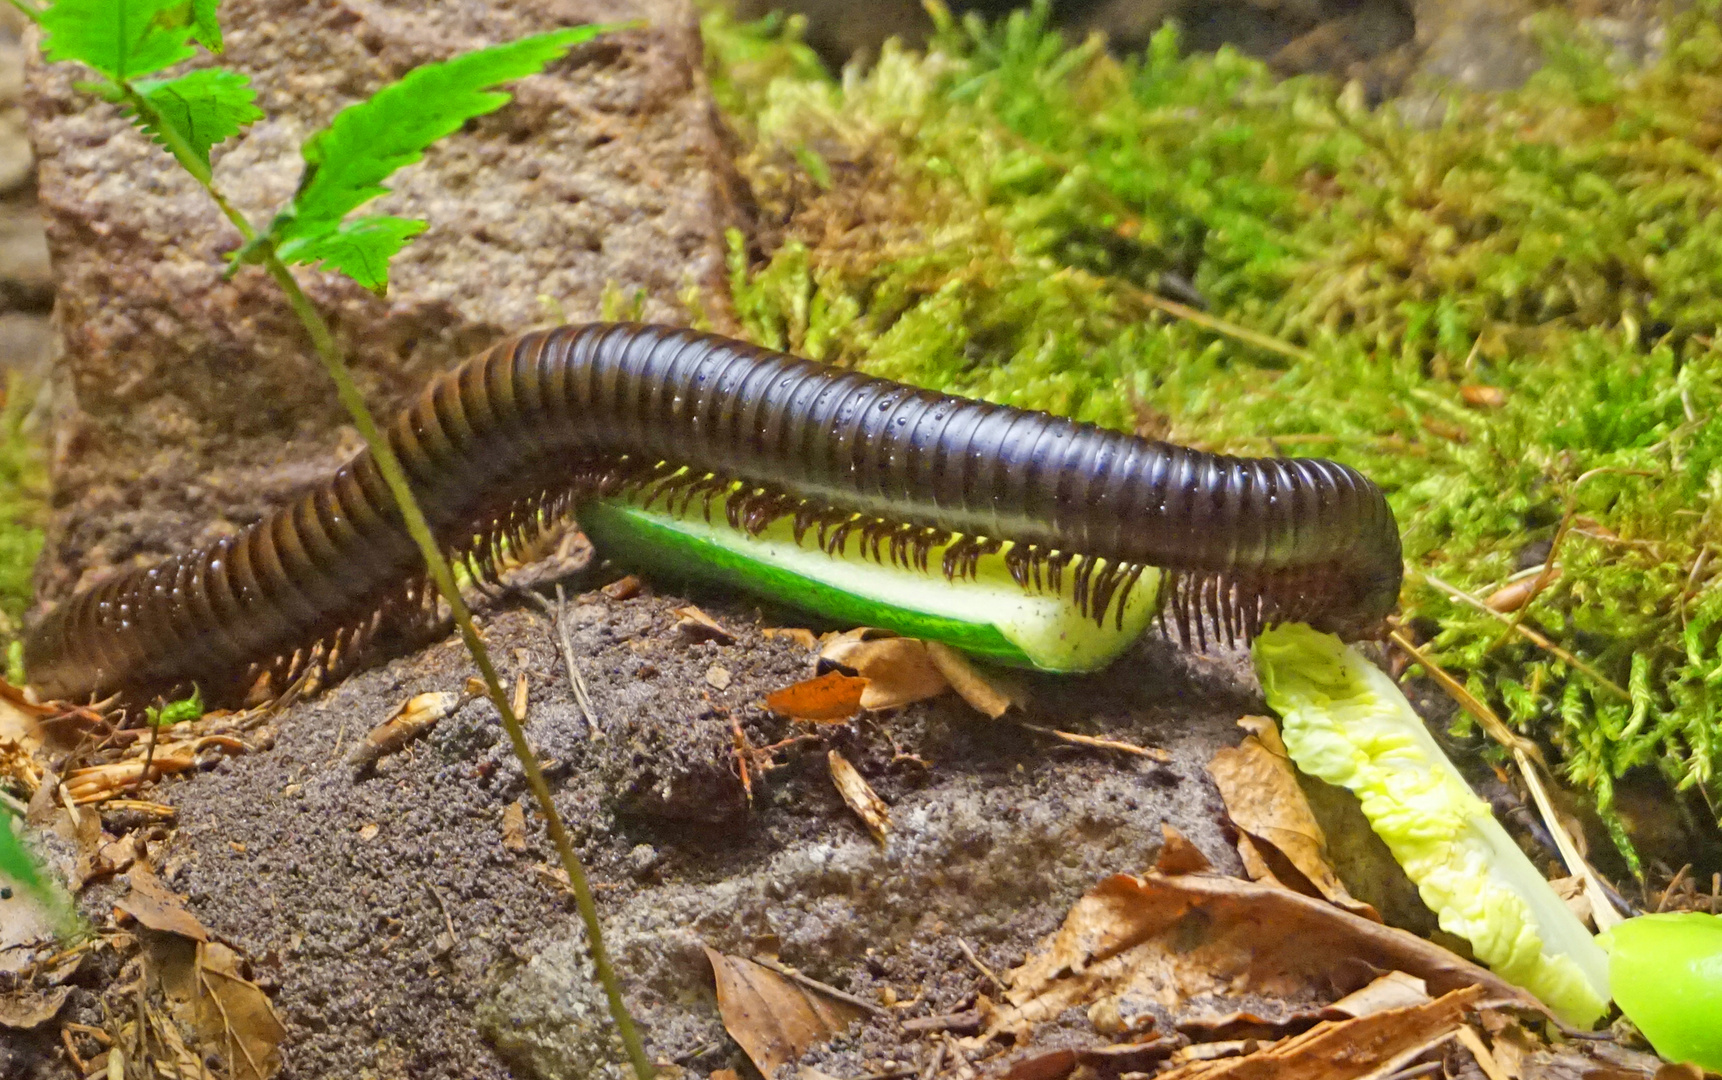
(437, 565)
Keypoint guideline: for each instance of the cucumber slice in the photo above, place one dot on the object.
(989, 616)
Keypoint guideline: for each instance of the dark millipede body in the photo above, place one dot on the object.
(526, 430)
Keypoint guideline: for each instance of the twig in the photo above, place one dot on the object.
(823, 988)
(575, 679)
(984, 970)
(1531, 635)
(934, 1062)
(1219, 326)
(1152, 753)
(1548, 573)
(1493, 724)
(1679, 876)
(1602, 909)
(448, 920)
(559, 629)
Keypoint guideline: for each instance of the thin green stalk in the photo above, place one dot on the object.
(441, 574)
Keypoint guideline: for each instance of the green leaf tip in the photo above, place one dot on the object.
(1347, 723)
(174, 712)
(204, 107)
(347, 162)
(126, 39)
(360, 249)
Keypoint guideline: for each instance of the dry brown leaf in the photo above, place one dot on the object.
(772, 1017)
(1281, 841)
(23, 1007)
(989, 695)
(897, 669)
(156, 906)
(1394, 990)
(798, 634)
(696, 625)
(725, 1074)
(413, 720)
(860, 796)
(235, 1013)
(1178, 855)
(1167, 938)
(1345, 1049)
(828, 698)
(514, 827)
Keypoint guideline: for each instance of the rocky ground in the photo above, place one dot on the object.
(402, 928)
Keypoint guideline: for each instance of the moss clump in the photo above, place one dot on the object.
(1508, 317)
(23, 501)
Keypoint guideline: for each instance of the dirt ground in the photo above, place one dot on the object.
(398, 936)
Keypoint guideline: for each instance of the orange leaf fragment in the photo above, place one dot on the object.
(825, 699)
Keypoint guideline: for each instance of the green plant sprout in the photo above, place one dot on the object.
(1476, 312)
(125, 41)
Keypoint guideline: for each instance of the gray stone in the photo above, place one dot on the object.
(195, 403)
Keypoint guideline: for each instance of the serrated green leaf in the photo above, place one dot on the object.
(204, 107)
(204, 29)
(346, 162)
(122, 39)
(360, 248)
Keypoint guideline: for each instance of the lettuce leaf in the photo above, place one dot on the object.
(1347, 723)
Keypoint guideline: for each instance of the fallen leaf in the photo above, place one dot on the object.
(235, 1014)
(1281, 839)
(1513, 596)
(1178, 855)
(514, 827)
(860, 796)
(1168, 938)
(1345, 1049)
(696, 625)
(1394, 990)
(154, 905)
(1483, 397)
(413, 720)
(798, 634)
(1045, 1065)
(897, 669)
(827, 698)
(718, 678)
(23, 1008)
(772, 1017)
(988, 695)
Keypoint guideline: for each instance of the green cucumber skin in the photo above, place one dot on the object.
(674, 547)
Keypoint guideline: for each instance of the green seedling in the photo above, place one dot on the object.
(128, 42)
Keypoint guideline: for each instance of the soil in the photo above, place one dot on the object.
(400, 937)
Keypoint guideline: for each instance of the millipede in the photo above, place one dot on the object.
(526, 432)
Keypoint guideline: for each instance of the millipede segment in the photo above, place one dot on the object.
(523, 433)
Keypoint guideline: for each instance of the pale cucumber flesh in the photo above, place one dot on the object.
(989, 616)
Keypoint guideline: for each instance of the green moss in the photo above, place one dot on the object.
(23, 501)
(986, 218)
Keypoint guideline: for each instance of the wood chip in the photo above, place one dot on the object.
(860, 796)
(514, 827)
(625, 588)
(413, 720)
(696, 625)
